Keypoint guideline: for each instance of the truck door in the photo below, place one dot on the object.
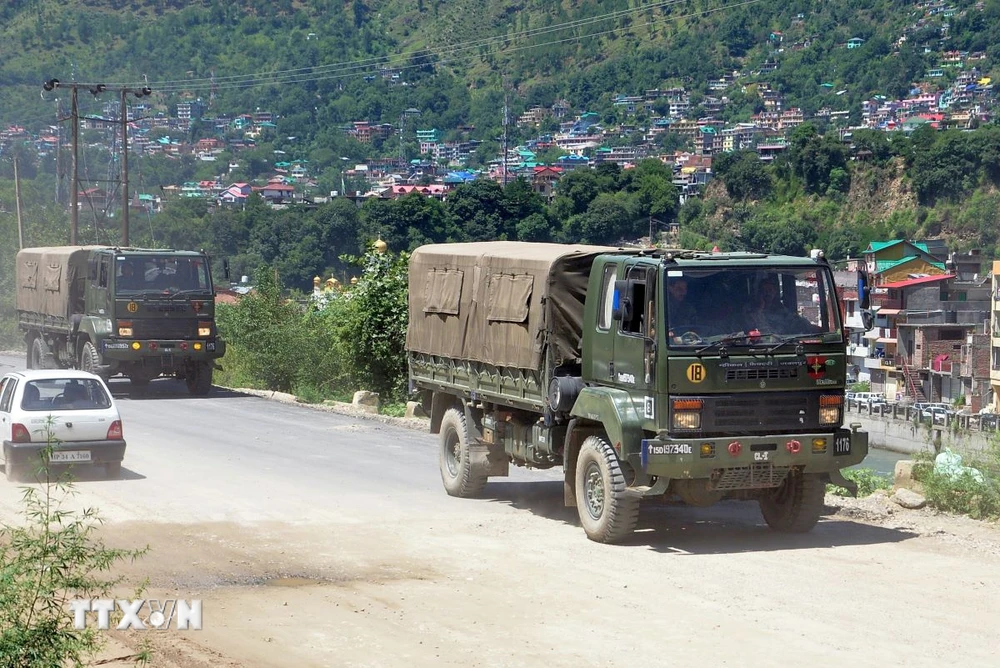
(633, 358)
(97, 286)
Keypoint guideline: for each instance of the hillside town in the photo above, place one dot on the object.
(954, 94)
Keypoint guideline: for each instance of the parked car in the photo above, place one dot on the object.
(72, 410)
(936, 413)
(870, 399)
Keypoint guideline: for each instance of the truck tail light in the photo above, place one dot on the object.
(125, 328)
(19, 433)
(115, 431)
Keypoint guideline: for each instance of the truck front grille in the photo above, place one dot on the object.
(762, 374)
(754, 476)
(760, 413)
(166, 328)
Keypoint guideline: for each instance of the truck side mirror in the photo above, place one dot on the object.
(225, 268)
(621, 308)
(868, 319)
(864, 291)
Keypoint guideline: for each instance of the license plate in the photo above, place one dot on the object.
(71, 456)
(842, 444)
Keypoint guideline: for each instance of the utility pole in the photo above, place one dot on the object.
(95, 90)
(17, 203)
(125, 199)
(506, 120)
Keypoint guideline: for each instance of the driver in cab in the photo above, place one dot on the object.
(681, 314)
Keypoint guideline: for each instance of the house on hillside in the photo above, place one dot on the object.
(889, 261)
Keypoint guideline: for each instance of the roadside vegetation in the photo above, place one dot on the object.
(868, 481)
(356, 340)
(52, 556)
(972, 489)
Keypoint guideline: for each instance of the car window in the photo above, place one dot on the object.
(8, 392)
(65, 394)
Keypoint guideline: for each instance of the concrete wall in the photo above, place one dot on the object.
(910, 437)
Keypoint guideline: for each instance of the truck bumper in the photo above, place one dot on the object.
(167, 351)
(24, 455)
(710, 457)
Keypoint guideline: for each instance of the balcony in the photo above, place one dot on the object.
(858, 351)
(886, 303)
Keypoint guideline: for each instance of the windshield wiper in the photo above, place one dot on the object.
(189, 291)
(728, 338)
(791, 338)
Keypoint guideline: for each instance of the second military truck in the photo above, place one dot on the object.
(674, 375)
(136, 312)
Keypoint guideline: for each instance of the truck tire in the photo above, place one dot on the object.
(796, 506)
(608, 510)
(457, 472)
(199, 378)
(90, 359)
(38, 354)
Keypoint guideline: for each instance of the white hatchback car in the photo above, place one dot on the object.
(74, 410)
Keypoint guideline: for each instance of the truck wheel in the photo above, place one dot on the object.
(796, 506)
(90, 359)
(38, 354)
(608, 510)
(199, 378)
(457, 472)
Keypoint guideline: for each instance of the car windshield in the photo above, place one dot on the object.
(64, 394)
(135, 274)
(748, 306)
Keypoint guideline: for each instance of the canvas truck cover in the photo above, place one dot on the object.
(499, 302)
(50, 278)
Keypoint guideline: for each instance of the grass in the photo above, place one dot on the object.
(868, 481)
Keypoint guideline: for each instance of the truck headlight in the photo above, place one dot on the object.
(687, 420)
(829, 414)
(205, 329)
(125, 328)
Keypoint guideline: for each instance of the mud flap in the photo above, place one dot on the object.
(488, 460)
(837, 478)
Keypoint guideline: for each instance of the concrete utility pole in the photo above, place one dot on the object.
(95, 90)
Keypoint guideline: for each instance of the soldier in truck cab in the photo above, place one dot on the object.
(769, 315)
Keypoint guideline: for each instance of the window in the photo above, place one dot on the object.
(102, 279)
(608, 299)
(637, 323)
(64, 394)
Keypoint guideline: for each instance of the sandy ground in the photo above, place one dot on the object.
(421, 579)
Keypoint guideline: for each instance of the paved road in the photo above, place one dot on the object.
(373, 565)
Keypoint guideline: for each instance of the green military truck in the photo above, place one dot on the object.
(140, 313)
(644, 373)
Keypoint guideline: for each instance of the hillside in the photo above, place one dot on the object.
(269, 54)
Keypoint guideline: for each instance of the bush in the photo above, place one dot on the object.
(52, 558)
(966, 494)
(868, 481)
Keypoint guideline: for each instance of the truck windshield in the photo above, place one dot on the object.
(750, 306)
(135, 274)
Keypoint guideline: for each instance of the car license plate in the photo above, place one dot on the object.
(71, 456)
(842, 444)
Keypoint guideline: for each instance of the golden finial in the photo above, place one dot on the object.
(354, 280)
(316, 280)
(380, 246)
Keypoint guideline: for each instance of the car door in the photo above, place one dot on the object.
(7, 385)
